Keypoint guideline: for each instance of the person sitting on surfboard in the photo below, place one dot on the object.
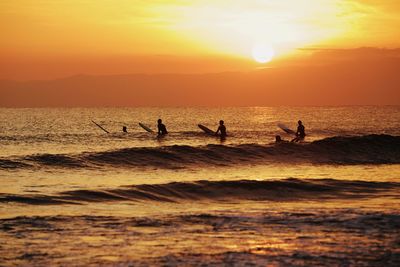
(221, 129)
(161, 127)
(124, 129)
(300, 133)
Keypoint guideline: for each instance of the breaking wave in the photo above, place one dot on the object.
(268, 190)
(368, 149)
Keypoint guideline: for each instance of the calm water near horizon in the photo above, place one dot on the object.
(72, 194)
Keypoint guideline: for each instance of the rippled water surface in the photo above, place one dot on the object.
(72, 194)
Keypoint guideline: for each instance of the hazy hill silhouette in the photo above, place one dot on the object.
(371, 81)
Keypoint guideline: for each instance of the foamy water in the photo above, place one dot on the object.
(73, 194)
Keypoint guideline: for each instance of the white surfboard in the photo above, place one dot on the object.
(286, 129)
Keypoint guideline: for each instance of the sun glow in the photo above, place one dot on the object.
(233, 27)
(262, 53)
(60, 38)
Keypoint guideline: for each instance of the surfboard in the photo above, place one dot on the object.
(286, 129)
(206, 130)
(146, 128)
(98, 125)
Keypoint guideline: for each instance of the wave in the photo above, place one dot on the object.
(367, 149)
(12, 164)
(268, 190)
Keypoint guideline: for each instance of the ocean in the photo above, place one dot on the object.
(72, 194)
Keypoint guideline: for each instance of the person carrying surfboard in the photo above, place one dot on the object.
(300, 133)
(161, 127)
(221, 129)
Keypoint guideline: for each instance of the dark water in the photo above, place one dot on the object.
(367, 149)
(277, 190)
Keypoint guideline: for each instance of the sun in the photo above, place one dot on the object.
(263, 53)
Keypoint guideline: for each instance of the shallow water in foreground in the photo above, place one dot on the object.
(73, 195)
(272, 233)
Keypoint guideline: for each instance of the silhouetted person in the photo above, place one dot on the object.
(161, 127)
(300, 133)
(124, 129)
(278, 139)
(221, 129)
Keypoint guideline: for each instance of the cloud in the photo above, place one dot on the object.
(363, 53)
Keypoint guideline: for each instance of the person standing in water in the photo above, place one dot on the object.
(221, 129)
(300, 133)
(162, 130)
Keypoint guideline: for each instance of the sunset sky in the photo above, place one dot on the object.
(44, 40)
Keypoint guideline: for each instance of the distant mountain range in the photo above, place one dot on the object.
(339, 83)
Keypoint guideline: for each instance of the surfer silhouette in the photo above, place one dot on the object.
(124, 129)
(162, 130)
(221, 129)
(300, 133)
(278, 139)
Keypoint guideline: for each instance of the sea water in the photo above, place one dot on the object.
(72, 194)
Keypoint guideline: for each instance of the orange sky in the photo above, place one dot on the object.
(44, 39)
